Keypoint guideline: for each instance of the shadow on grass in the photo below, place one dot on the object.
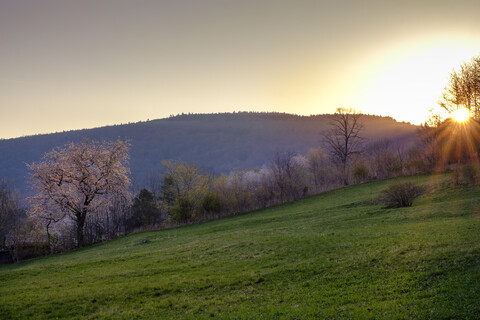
(453, 279)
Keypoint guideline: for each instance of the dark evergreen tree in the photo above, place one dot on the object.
(144, 210)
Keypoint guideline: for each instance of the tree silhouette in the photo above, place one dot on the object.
(343, 138)
(463, 89)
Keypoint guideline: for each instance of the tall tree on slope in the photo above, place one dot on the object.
(78, 180)
(343, 138)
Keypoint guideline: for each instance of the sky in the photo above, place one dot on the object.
(67, 64)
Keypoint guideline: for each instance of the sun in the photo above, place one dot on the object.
(461, 115)
(430, 59)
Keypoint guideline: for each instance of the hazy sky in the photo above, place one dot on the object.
(67, 64)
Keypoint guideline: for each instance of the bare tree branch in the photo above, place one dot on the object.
(343, 138)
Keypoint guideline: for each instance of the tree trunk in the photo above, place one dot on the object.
(49, 237)
(345, 174)
(80, 224)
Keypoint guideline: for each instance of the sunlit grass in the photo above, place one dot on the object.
(336, 255)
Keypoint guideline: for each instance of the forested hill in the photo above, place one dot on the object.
(218, 142)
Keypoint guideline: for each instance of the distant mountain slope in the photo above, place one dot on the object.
(219, 142)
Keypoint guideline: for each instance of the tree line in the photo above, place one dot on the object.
(83, 192)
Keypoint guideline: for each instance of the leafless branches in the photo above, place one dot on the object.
(463, 89)
(343, 138)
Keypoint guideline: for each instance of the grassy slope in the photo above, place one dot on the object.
(335, 255)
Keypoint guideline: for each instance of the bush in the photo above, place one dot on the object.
(360, 173)
(182, 210)
(211, 203)
(464, 175)
(469, 174)
(400, 195)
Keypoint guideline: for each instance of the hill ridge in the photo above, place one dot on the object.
(218, 142)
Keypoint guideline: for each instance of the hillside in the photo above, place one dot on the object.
(335, 255)
(217, 142)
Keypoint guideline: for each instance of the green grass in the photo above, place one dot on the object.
(336, 255)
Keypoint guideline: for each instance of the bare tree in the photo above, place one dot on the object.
(463, 89)
(288, 175)
(241, 195)
(78, 180)
(319, 167)
(9, 210)
(154, 184)
(343, 138)
(383, 158)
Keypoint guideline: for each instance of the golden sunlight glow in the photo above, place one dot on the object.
(461, 115)
(409, 83)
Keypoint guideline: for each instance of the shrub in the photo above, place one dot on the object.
(182, 210)
(360, 173)
(469, 174)
(400, 195)
(464, 175)
(211, 203)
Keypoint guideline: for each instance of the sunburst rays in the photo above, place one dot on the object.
(454, 143)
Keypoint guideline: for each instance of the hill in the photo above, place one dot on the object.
(335, 255)
(217, 142)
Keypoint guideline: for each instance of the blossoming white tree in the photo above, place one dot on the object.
(78, 180)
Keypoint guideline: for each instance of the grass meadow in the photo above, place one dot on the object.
(336, 255)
